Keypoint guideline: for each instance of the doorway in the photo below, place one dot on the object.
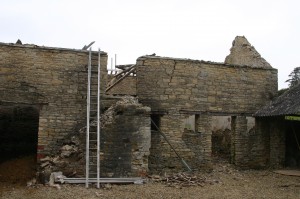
(18, 131)
(292, 143)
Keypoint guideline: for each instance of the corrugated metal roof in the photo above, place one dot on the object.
(286, 104)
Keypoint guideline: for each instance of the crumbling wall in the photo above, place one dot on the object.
(124, 144)
(162, 156)
(180, 87)
(274, 130)
(243, 53)
(250, 146)
(176, 84)
(53, 79)
(125, 139)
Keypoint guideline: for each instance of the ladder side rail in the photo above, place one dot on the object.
(87, 153)
(98, 121)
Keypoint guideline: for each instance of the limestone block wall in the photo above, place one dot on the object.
(125, 141)
(125, 87)
(54, 79)
(261, 147)
(162, 157)
(168, 83)
(274, 129)
(182, 87)
(250, 147)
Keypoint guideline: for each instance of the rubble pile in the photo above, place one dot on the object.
(108, 116)
(70, 157)
(69, 154)
(180, 180)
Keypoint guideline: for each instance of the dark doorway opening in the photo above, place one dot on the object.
(155, 122)
(292, 152)
(18, 131)
(221, 138)
(154, 159)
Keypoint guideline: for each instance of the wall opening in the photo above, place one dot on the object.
(155, 122)
(292, 143)
(154, 159)
(221, 137)
(190, 123)
(18, 131)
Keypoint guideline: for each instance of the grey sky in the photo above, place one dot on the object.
(195, 29)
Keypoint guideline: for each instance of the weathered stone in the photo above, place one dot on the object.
(54, 79)
(196, 88)
(243, 53)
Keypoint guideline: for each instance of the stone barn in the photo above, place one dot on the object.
(43, 104)
(188, 97)
(199, 108)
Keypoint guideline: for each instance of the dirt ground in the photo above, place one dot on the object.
(224, 182)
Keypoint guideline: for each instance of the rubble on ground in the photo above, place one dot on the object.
(73, 150)
(180, 180)
(68, 153)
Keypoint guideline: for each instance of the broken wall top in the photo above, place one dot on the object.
(33, 46)
(243, 53)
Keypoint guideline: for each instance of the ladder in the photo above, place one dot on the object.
(93, 129)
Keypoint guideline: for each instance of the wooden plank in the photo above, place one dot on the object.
(120, 79)
(288, 172)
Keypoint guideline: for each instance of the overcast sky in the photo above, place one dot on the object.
(195, 29)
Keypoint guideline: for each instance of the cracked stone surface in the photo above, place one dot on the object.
(243, 53)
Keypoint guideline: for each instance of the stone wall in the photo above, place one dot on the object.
(125, 139)
(277, 133)
(54, 79)
(125, 87)
(250, 147)
(274, 129)
(261, 147)
(18, 131)
(168, 83)
(124, 144)
(180, 88)
(243, 53)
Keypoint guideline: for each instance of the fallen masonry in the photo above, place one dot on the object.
(124, 147)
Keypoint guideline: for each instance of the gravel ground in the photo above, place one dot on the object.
(223, 182)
